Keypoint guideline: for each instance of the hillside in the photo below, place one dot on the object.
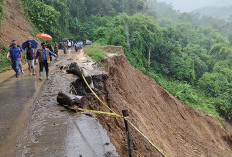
(192, 63)
(223, 12)
(14, 25)
(171, 124)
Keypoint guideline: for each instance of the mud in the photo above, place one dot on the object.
(33, 124)
(175, 127)
(17, 95)
(14, 25)
(54, 131)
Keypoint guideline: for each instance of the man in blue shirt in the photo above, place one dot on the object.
(20, 63)
(15, 55)
(43, 57)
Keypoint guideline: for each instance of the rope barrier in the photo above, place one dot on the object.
(94, 111)
(113, 114)
(126, 118)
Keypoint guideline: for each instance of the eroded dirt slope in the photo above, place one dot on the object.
(14, 25)
(171, 124)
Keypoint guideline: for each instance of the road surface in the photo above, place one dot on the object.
(33, 124)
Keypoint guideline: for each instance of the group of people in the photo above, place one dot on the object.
(78, 46)
(44, 55)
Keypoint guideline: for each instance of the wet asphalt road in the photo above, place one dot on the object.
(14, 93)
(32, 123)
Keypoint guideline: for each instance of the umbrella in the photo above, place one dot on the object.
(80, 43)
(65, 39)
(44, 36)
(33, 43)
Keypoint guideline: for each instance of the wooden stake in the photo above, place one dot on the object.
(129, 141)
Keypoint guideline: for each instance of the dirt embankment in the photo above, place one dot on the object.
(171, 124)
(14, 25)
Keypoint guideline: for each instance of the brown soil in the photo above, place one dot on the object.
(171, 124)
(14, 25)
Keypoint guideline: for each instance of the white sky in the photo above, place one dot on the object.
(190, 5)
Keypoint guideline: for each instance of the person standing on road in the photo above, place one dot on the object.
(64, 47)
(56, 49)
(76, 46)
(50, 48)
(29, 58)
(20, 64)
(43, 57)
(15, 55)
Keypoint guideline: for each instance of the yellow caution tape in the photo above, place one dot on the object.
(126, 118)
(94, 92)
(144, 136)
(96, 112)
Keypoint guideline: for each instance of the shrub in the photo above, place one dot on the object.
(95, 53)
(4, 63)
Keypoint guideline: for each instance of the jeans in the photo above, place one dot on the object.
(15, 65)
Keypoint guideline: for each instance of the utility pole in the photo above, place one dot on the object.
(149, 60)
(127, 35)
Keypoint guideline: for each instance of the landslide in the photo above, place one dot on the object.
(171, 124)
(14, 25)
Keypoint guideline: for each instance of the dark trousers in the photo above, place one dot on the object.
(42, 65)
(50, 57)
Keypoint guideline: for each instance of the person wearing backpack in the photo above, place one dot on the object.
(43, 57)
(20, 64)
(15, 55)
(29, 57)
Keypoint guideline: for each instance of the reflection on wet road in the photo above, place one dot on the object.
(40, 127)
(14, 94)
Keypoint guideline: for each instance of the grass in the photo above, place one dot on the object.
(4, 63)
(1, 12)
(187, 93)
(95, 53)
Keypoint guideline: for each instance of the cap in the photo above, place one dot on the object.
(13, 43)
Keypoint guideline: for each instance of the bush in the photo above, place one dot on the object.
(1, 12)
(43, 16)
(95, 53)
(185, 92)
(4, 63)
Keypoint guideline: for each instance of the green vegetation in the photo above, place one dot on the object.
(192, 63)
(195, 97)
(95, 53)
(1, 12)
(4, 63)
(64, 18)
(191, 56)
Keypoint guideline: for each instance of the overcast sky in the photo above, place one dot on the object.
(190, 5)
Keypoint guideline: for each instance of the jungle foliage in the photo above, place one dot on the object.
(190, 57)
(1, 12)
